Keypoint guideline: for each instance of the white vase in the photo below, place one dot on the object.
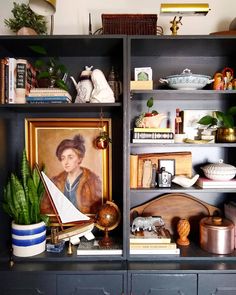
(28, 240)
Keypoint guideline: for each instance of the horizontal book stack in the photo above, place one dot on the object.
(153, 243)
(93, 248)
(208, 183)
(152, 135)
(48, 95)
(17, 77)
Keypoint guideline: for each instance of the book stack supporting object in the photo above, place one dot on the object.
(152, 135)
(208, 183)
(48, 95)
(93, 248)
(153, 243)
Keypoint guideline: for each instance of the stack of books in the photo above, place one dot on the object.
(152, 243)
(152, 135)
(48, 95)
(208, 183)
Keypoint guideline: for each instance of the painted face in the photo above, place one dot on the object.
(70, 160)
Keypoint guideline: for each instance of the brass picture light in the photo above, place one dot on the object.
(182, 9)
(45, 8)
(185, 8)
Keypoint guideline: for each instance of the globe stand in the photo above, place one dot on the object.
(106, 241)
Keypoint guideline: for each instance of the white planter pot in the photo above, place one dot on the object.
(28, 240)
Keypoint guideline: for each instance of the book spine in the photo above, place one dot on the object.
(155, 251)
(133, 171)
(161, 129)
(153, 246)
(153, 135)
(31, 80)
(2, 80)
(21, 76)
(6, 82)
(12, 80)
(139, 140)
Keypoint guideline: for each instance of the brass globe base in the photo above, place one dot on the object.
(106, 241)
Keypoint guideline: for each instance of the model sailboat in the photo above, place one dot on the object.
(66, 213)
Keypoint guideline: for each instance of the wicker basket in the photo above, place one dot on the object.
(129, 24)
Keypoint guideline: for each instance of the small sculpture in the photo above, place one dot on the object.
(84, 87)
(102, 92)
(146, 223)
(185, 181)
(183, 229)
(174, 28)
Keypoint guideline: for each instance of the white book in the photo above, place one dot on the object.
(208, 183)
(12, 80)
(155, 251)
(95, 249)
(139, 140)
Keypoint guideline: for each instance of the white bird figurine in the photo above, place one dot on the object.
(185, 181)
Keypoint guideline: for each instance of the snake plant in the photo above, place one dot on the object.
(22, 195)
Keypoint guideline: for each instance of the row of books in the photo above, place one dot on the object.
(150, 243)
(17, 77)
(152, 135)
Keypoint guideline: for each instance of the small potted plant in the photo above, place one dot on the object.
(224, 122)
(49, 72)
(24, 17)
(21, 201)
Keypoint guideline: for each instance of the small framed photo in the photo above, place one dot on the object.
(143, 74)
(168, 164)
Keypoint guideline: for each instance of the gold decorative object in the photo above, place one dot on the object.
(183, 229)
(175, 25)
(185, 8)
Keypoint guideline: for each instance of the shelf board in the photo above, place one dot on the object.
(193, 252)
(177, 189)
(212, 145)
(69, 107)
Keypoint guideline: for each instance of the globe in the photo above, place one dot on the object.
(107, 219)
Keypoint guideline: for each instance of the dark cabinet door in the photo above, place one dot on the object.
(217, 284)
(101, 284)
(27, 284)
(163, 284)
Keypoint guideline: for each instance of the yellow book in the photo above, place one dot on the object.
(161, 129)
(153, 246)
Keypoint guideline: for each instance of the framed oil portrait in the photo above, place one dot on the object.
(46, 142)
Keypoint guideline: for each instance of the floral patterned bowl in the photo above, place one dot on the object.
(187, 81)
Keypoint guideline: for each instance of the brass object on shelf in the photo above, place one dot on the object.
(226, 135)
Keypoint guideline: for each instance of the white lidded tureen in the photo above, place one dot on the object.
(219, 171)
(187, 81)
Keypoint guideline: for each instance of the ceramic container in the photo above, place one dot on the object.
(187, 81)
(219, 171)
(28, 240)
(217, 235)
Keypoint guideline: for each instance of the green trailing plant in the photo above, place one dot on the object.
(22, 195)
(50, 69)
(220, 119)
(149, 106)
(23, 16)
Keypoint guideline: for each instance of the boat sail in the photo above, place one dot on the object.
(65, 209)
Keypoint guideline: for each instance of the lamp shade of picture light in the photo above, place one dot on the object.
(185, 9)
(43, 7)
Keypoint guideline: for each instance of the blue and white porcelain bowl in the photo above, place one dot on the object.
(187, 81)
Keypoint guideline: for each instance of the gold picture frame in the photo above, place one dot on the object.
(42, 136)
